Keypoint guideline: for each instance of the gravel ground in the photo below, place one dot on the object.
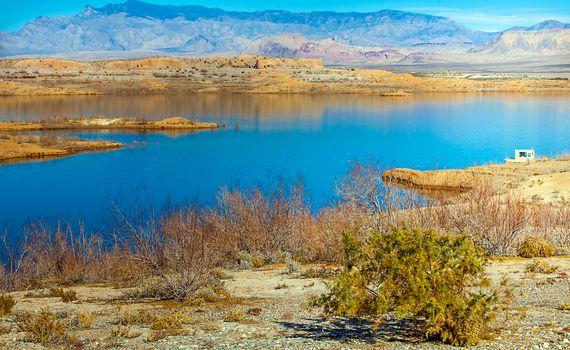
(285, 320)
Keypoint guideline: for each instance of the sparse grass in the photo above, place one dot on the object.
(42, 327)
(235, 315)
(564, 307)
(7, 303)
(541, 266)
(210, 326)
(282, 286)
(129, 317)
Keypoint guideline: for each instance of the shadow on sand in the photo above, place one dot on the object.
(343, 330)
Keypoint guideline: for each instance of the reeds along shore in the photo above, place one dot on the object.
(250, 228)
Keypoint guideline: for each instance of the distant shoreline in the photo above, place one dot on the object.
(243, 75)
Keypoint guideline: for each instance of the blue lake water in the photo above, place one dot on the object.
(314, 137)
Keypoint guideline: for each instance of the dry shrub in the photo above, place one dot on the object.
(65, 295)
(42, 327)
(235, 315)
(170, 251)
(86, 318)
(130, 317)
(535, 247)
(5, 329)
(254, 311)
(540, 266)
(169, 324)
(260, 224)
(51, 256)
(124, 332)
(7, 303)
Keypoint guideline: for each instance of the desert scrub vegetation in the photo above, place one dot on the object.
(176, 254)
(42, 326)
(65, 295)
(7, 303)
(535, 247)
(235, 315)
(540, 266)
(416, 274)
(169, 324)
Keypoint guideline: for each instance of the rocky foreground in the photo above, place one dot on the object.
(269, 309)
(242, 74)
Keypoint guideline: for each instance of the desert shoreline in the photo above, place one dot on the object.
(242, 75)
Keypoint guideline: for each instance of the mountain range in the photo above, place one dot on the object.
(135, 28)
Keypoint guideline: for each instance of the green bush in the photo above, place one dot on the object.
(534, 247)
(416, 274)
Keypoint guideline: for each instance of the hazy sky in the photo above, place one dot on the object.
(477, 14)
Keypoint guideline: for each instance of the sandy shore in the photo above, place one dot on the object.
(244, 74)
(280, 317)
(545, 180)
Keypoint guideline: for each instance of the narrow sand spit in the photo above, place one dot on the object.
(107, 123)
(21, 148)
(14, 149)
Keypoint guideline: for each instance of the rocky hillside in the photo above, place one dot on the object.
(386, 38)
(537, 41)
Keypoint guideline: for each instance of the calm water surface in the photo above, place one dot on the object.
(315, 137)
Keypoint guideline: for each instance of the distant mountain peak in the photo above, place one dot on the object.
(88, 11)
(548, 24)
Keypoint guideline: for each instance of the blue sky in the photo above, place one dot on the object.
(477, 14)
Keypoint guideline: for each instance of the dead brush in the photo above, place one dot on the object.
(86, 318)
(42, 327)
(540, 266)
(7, 303)
(65, 295)
(124, 332)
